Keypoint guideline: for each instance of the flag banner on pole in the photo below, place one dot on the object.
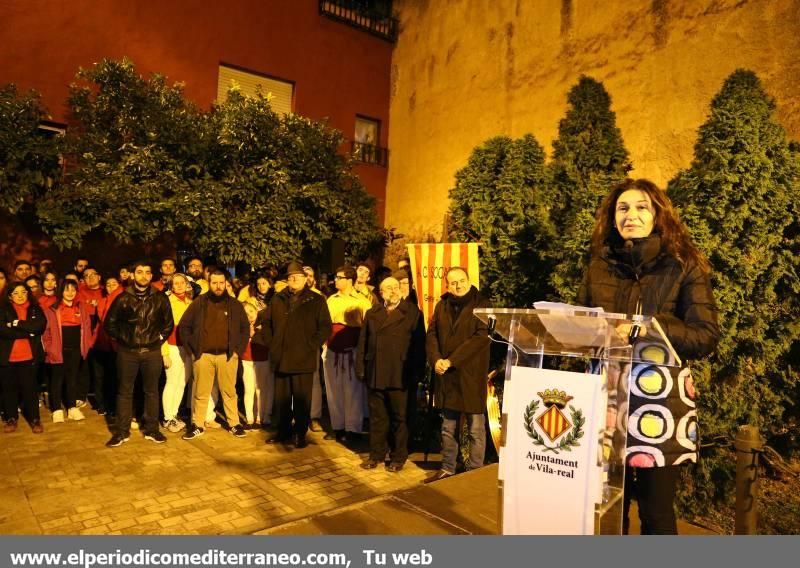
(429, 264)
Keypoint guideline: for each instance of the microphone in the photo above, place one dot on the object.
(636, 329)
(492, 323)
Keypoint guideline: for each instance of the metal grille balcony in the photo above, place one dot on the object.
(370, 154)
(372, 16)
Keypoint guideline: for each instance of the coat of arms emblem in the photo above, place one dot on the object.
(552, 424)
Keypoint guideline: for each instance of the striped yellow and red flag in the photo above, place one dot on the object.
(429, 264)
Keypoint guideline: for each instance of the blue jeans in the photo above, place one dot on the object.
(477, 444)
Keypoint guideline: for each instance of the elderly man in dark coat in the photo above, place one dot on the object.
(458, 349)
(297, 323)
(389, 351)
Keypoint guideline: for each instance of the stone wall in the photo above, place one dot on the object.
(467, 70)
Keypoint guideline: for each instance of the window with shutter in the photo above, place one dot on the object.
(280, 92)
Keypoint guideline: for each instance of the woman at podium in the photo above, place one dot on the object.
(643, 262)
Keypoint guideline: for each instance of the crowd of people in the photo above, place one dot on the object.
(155, 349)
(283, 335)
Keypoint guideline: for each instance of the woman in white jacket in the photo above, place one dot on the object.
(177, 359)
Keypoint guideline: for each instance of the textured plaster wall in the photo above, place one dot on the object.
(466, 70)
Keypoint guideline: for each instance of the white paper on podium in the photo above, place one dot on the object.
(550, 487)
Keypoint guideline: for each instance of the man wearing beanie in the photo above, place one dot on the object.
(296, 325)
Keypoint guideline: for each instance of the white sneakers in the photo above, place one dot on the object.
(72, 414)
(75, 414)
(175, 425)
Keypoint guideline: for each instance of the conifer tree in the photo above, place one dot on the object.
(589, 157)
(499, 200)
(740, 199)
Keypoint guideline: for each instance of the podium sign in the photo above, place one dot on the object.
(564, 438)
(549, 463)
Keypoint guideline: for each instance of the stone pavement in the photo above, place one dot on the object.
(66, 481)
(466, 504)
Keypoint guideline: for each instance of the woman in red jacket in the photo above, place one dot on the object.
(105, 352)
(21, 325)
(48, 296)
(67, 341)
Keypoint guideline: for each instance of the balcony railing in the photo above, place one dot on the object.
(370, 154)
(373, 16)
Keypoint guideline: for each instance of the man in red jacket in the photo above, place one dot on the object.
(90, 294)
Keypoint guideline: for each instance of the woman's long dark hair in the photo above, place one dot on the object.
(253, 287)
(675, 239)
(67, 282)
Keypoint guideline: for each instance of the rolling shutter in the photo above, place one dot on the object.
(282, 91)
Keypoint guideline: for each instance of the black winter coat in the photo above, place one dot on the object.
(680, 297)
(31, 328)
(391, 348)
(295, 332)
(190, 327)
(136, 322)
(465, 342)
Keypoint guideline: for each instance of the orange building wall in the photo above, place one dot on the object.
(338, 71)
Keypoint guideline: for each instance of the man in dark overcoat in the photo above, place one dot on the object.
(457, 344)
(296, 325)
(386, 358)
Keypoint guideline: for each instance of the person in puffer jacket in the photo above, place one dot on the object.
(643, 261)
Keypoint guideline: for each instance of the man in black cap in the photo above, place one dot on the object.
(296, 325)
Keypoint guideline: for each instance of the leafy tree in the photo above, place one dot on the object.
(741, 201)
(28, 159)
(589, 157)
(277, 187)
(500, 200)
(131, 148)
(239, 181)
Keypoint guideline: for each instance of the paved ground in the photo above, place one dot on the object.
(66, 481)
(465, 504)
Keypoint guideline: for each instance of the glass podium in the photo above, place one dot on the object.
(564, 434)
